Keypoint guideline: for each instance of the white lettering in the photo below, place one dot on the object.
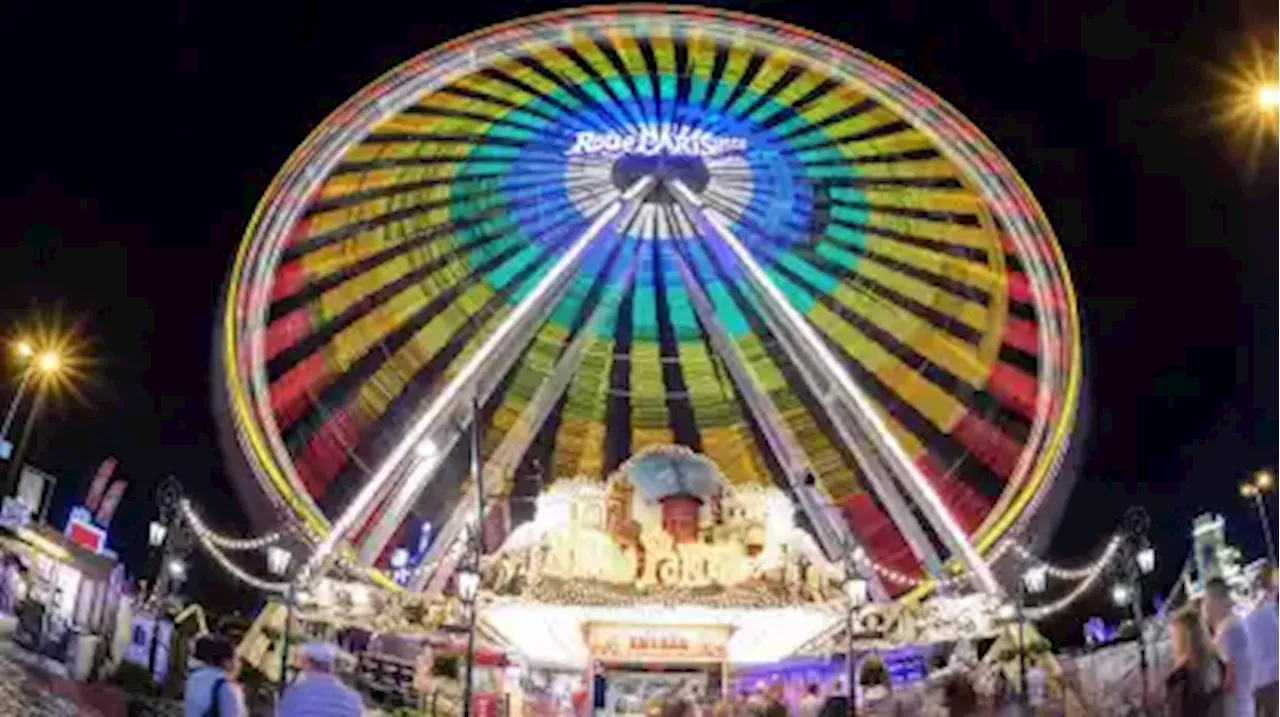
(650, 141)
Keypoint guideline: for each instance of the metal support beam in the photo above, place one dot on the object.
(508, 343)
(833, 534)
(861, 409)
(406, 473)
(437, 563)
(878, 477)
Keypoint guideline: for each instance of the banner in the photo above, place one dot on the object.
(109, 503)
(99, 484)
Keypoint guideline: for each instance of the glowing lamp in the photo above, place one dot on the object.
(1121, 594)
(177, 569)
(24, 349)
(468, 585)
(1269, 97)
(278, 560)
(1147, 560)
(855, 588)
(1248, 490)
(399, 558)
(1263, 481)
(49, 362)
(427, 450)
(156, 533)
(1035, 579)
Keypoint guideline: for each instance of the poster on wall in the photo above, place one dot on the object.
(32, 485)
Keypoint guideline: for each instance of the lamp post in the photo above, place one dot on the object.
(468, 589)
(1254, 489)
(278, 560)
(156, 533)
(1137, 559)
(1032, 583)
(25, 352)
(469, 576)
(42, 366)
(855, 590)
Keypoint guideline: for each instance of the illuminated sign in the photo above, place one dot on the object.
(685, 643)
(614, 534)
(82, 531)
(650, 141)
(591, 555)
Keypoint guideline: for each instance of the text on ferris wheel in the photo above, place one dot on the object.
(649, 141)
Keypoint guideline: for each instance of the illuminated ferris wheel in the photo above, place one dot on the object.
(612, 229)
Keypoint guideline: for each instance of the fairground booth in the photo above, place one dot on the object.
(661, 580)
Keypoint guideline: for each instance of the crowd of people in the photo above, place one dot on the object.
(1226, 663)
(212, 689)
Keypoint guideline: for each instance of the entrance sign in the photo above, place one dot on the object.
(651, 140)
(683, 643)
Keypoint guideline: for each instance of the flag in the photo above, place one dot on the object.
(110, 502)
(99, 484)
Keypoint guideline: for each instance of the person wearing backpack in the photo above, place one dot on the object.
(211, 689)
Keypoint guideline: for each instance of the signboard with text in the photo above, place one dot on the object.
(647, 643)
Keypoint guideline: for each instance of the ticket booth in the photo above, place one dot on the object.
(634, 666)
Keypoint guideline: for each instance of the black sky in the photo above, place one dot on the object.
(140, 137)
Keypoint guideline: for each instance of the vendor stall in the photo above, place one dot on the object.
(654, 583)
(62, 574)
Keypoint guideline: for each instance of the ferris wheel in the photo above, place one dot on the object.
(616, 229)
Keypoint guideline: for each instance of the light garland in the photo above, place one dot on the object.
(1041, 612)
(1058, 572)
(222, 541)
(208, 540)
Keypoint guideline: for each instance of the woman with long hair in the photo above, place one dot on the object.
(1195, 685)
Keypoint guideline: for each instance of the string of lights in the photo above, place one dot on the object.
(205, 536)
(1040, 612)
(1084, 575)
(222, 541)
(1058, 572)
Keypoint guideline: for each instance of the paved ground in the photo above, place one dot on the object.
(31, 687)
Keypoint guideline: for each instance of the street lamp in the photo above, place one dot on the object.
(1121, 594)
(1254, 489)
(1033, 582)
(278, 560)
(1269, 97)
(177, 571)
(156, 533)
(855, 590)
(47, 364)
(1137, 559)
(468, 589)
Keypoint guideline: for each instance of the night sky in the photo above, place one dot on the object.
(140, 138)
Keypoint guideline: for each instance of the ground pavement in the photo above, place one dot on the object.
(27, 689)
